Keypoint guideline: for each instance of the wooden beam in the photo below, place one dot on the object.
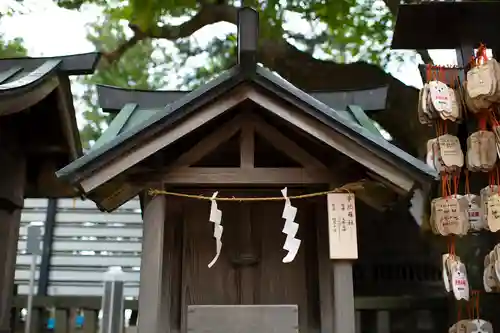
(247, 145)
(68, 118)
(285, 145)
(262, 176)
(209, 143)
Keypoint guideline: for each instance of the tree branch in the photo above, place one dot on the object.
(311, 74)
(115, 55)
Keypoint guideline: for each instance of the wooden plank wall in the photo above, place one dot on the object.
(86, 241)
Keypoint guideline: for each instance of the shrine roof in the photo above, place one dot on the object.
(130, 126)
(35, 91)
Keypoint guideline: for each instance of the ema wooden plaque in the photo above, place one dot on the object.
(342, 226)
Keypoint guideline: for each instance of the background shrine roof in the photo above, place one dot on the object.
(42, 86)
(112, 99)
(134, 106)
(32, 79)
(75, 64)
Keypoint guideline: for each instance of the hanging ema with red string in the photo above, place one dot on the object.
(438, 99)
(444, 101)
(474, 323)
(452, 213)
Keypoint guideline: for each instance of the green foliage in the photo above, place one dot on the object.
(11, 48)
(343, 30)
(140, 68)
(340, 30)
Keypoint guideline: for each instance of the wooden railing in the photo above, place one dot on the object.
(373, 314)
(64, 311)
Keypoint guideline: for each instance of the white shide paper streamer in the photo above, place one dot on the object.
(290, 228)
(216, 218)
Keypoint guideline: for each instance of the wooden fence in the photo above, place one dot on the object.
(81, 243)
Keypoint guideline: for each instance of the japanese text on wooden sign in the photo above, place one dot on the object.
(342, 226)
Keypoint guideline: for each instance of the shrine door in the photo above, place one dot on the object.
(250, 268)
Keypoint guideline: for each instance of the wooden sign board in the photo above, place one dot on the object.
(342, 226)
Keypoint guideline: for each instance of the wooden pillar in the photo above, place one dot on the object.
(343, 297)
(335, 283)
(12, 182)
(152, 318)
(383, 321)
(344, 313)
(47, 243)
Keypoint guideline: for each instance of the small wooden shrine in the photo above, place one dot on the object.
(38, 135)
(247, 134)
(471, 140)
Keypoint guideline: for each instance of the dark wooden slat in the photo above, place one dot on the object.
(90, 321)
(61, 321)
(399, 302)
(448, 25)
(324, 268)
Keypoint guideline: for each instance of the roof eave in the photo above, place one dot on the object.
(85, 165)
(27, 91)
(416, 168)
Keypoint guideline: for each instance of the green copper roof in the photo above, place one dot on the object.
(132, 115)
